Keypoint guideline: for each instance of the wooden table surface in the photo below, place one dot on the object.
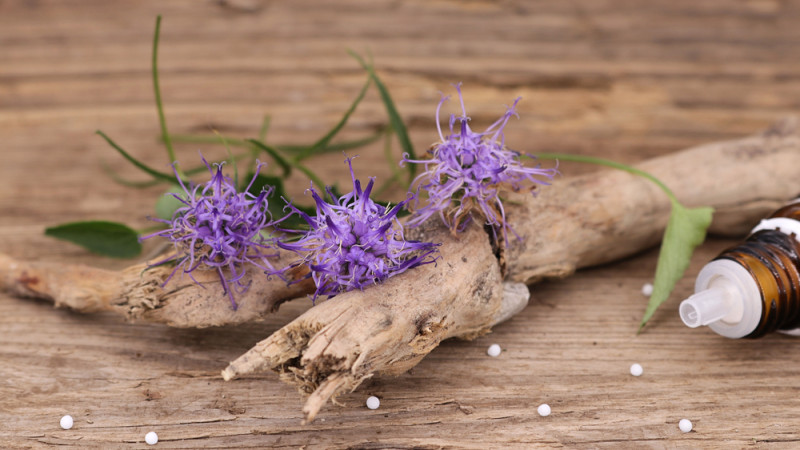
(620, 79)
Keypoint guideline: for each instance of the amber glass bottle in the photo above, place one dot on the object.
(753, 288)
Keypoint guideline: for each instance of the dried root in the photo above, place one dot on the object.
(389, 328)
(137, 292)
(594, 219)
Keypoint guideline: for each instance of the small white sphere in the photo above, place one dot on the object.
(66, 422)
(151, 438)
(494, 350)
(636, 370)
(647, 289)
(543, 410)
(373, 402)
(685, 425)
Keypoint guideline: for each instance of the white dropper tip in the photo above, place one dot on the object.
(727, 299)
(705, 307)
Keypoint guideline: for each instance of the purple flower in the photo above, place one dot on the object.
(355, 242)
(219, 228)
(468, 171)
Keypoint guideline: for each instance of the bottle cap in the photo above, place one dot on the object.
(726, 299)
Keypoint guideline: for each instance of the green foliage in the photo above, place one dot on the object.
(686, 230)
(104, 238)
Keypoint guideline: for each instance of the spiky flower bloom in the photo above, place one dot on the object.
(219, 228)
(354, 242)
(469, 171)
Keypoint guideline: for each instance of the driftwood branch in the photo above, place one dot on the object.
(578, 222)
(387, 329)
(138, 293)
(602, 217)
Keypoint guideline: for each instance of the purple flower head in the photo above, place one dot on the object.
(468, 171)
(355, 242)
(219, 228)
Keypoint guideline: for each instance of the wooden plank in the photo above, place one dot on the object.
(620, 79)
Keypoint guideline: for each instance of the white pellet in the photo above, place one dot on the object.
(373, 402)
(636, 370)
(685, 425)
(151, 438)
(647, 289)
(66, 422)
(543, 410)
(494, 350)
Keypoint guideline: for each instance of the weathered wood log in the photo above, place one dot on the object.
(387, 329)
(138, 293)
(597, 218)
(578, 222)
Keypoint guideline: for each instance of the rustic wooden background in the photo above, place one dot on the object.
(621, 79)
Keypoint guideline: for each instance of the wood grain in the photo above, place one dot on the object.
(620, 79)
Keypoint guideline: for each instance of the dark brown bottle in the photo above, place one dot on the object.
(753, 288)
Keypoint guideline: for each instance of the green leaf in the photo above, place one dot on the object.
(142, 166)
(686, 230)
(394, 117)
(167, 203)
(323, 142)
(104, 238)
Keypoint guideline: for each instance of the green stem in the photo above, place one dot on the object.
(162, 120)
(609, 163)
